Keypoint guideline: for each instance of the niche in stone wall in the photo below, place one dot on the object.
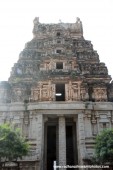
(103, 120)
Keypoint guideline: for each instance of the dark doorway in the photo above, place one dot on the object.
(51, 146)
(60, 92)
(71, 145)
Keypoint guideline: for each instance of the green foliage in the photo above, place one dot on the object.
(12, 144)
(104, 147)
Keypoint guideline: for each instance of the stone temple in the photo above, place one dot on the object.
(59, 94)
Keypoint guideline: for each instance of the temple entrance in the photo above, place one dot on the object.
(60, 92)
(51, 146)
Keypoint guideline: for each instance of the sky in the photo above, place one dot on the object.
(16, 25)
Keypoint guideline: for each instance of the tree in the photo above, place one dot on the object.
(12, 144)
(104, 147)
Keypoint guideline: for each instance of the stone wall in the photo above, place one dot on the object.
(91, 118)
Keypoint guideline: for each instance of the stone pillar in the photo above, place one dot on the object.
(66, 92)
(53, 92)
(40, 139)
(26, 124)
(81, 139)
(87, 121)
(62, 142)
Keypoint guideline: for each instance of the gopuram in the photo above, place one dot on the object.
(59, 94)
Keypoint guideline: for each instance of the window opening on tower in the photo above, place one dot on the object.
(58, 41)
(58, 34)
(58, 51)
(60, 92)
(59, 65)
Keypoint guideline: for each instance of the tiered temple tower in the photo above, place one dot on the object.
(59, 94)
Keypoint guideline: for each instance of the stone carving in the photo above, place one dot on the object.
(99, 94)
(17, 95)
(73, 91)
(36, 20)
(84, 94)
(103, 120)
(36, 23)
(42, 92)
(77, 27)
(35, 96)
(99, 70)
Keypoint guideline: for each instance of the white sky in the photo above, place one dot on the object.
(16, 24)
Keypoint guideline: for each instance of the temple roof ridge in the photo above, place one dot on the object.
(72, 27)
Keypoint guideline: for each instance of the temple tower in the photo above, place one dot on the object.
(59, 94)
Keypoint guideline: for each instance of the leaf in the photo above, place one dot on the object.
(12, 144)
(104, 146)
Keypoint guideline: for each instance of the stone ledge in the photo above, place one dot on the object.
(19, 106)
